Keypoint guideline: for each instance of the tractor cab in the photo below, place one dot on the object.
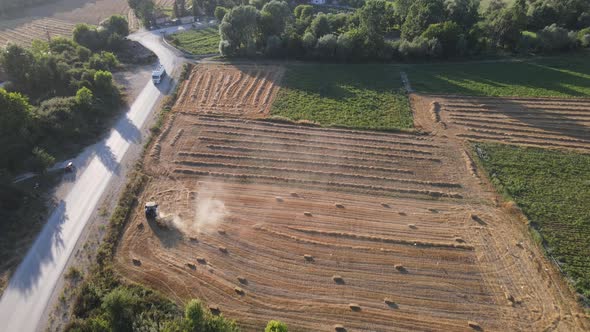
(151, 210)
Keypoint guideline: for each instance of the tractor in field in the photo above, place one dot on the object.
(151, 210)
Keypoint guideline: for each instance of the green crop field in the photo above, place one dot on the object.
(566, 76)
(357, 96)
(197, 42)
(553, 190)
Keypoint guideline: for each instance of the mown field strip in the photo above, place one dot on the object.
(293, 161)
(333, 147)
(273, 138)
(302, 154)
(298, 131)
(322, 174)
(193, 172)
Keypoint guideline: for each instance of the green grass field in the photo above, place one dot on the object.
(553, 189)
(357, 96)
(566, 76)
(197, 42)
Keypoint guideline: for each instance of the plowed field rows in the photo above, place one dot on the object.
(396, 164)
(324, 227)
(407, 264)
(232, 90)
(59, 18)
(552, 123)
(38, 29)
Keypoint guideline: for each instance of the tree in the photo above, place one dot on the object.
(276, 326)
(326, 46)
(40, 160)
(19, 64)
(116, 24)
(422, 14)
(320, 25)
(308, 41)
(238, 30)
(120, 305)
(303, 11)
(374, 23)
(447, 33)
(84, 97)
(15, 120)
(220, 13)
(401, 10)
(194, 315)
(504, 28)
(463, 12)
(274, 16)
(143, 9)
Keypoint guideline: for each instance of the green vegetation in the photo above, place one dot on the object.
(565, 76)
(276, 326)
(197, 42)
(428, 29)
(357, 96)
(553, 190)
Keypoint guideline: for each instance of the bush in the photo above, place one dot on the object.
(448, 34)
(584, 37)
(529, 42)
(554, 38)
(326, 46)
(40, 160)
(273, 46)
(103, 61)
(276, 326)
(220, 13)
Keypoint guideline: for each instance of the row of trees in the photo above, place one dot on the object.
(57, 98)
(403, 29)
(133, 308)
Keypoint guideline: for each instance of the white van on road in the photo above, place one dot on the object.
(158, 74)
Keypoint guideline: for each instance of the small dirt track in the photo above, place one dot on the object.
(321, 227)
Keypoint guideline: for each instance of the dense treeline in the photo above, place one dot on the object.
(404, 29)
(58, 97)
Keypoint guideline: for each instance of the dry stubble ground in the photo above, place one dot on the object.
(319, 227)
(58, 19)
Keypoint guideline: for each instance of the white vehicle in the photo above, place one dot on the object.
(158, 74)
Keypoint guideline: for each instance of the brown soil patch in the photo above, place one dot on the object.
(414, 241)
(246, 90)
(538, 122)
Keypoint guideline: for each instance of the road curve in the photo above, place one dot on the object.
(30, 288)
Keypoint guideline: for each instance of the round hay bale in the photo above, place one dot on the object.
(239, 291)
(354, 307)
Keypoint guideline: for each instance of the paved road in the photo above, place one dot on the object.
(30, 288)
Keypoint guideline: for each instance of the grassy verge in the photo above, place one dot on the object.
(563, 76)
(105, 302)
(553, 190)
(197, 42)
(356, 96)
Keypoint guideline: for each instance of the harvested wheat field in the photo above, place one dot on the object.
(333, 228)
(231, 90)
(538, 122)
(57, 19)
